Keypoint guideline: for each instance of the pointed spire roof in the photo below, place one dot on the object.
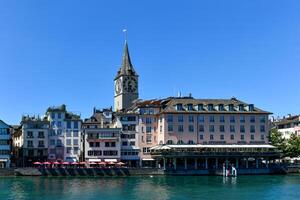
(126, 65)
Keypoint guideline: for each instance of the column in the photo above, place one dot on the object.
(206, 164)
(267, 162)
(196, 163)
(185, 163)
(226, 163)
(216, 163)
(237, 163)
(256, 164)
(156, 163)
(164, 160)
(174, 163)
(247, 163)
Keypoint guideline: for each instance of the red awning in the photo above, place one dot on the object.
(120, 163)
(102, 163)
(37, 163)
(65, 163)
(74, 163)
(55, 163)
(47, 163)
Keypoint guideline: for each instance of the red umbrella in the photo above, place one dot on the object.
(65, 163)
(82, 163)
(111, 163)
(74, 163)
(37, 163)
(47, 163)
(120, 163)
(102, 163)
(93, 163)
(55, 163)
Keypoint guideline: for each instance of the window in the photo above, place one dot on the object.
(251, 107)
(200, 107)
(132, 143)
(52, 142)
(232, 137)
(75, 133)
(113, 144)
(75, 124)
(69, 149)
(231, 107)
(29, 134)
(68, 134)
(41, 134)
(107, 144)
(169, 142)
(148, 129)
(179, 107)
(29, 143)
(124, 143)
(222, 118)
(59, 143)
(180, 142)
(262, 137)
(211, 118)
(148, 120)
(201, 128)
(190, 142)
(59, 115)
(91, 144)
(180, 128)
(242, 137)
(200, 118)
(252, 137)
(252, 119)
(262, 119)
(242, 128)
(210, 107)
(211, 137)
(68, 124)
(97, 144)
(59, 124)
(221, 137)
(191, 128)
(148, 139)
(252, 129)
(232, 128)
(191, 118)
(69, 142)
(262, 128)
(211, 128)
(160, 129)
(241, 107)
(180, 118)
(232, 119)
(201, 137)
(190, 107)
(53, 115)
(242, 119)
(41, 143)
(170, 128)
(76, 150)
(75, 142)
(221, 107)
(170, 118)
(222, 128)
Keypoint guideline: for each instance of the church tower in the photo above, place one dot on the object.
(126, 83)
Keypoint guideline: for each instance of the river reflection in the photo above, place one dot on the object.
(157, 187)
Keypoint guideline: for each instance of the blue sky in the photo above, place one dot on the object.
(55, 52)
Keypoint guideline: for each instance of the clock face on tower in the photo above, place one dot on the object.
(130, 84)
(118, 86)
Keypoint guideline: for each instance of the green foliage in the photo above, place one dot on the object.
(293, 147)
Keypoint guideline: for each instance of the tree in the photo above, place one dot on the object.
(293, 146)
(278, 141)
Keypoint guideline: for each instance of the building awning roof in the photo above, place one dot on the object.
(147, 159)
(3, 160)
(94, 160)
(167, 147)
(110, 160)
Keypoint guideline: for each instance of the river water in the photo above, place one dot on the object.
(157, 187)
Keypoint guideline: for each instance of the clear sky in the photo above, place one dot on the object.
(62, 51)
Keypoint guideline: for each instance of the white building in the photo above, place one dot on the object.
(65, 134)
(288, 125)
(4, 145)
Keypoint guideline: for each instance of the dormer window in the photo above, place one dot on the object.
(179, 107)
(231, 107)
(190, 107)
(251, 107)
(241, 107)
(221, 107)
(200, 107)
(210, 107)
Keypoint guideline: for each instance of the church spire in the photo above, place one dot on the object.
(126, 65)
